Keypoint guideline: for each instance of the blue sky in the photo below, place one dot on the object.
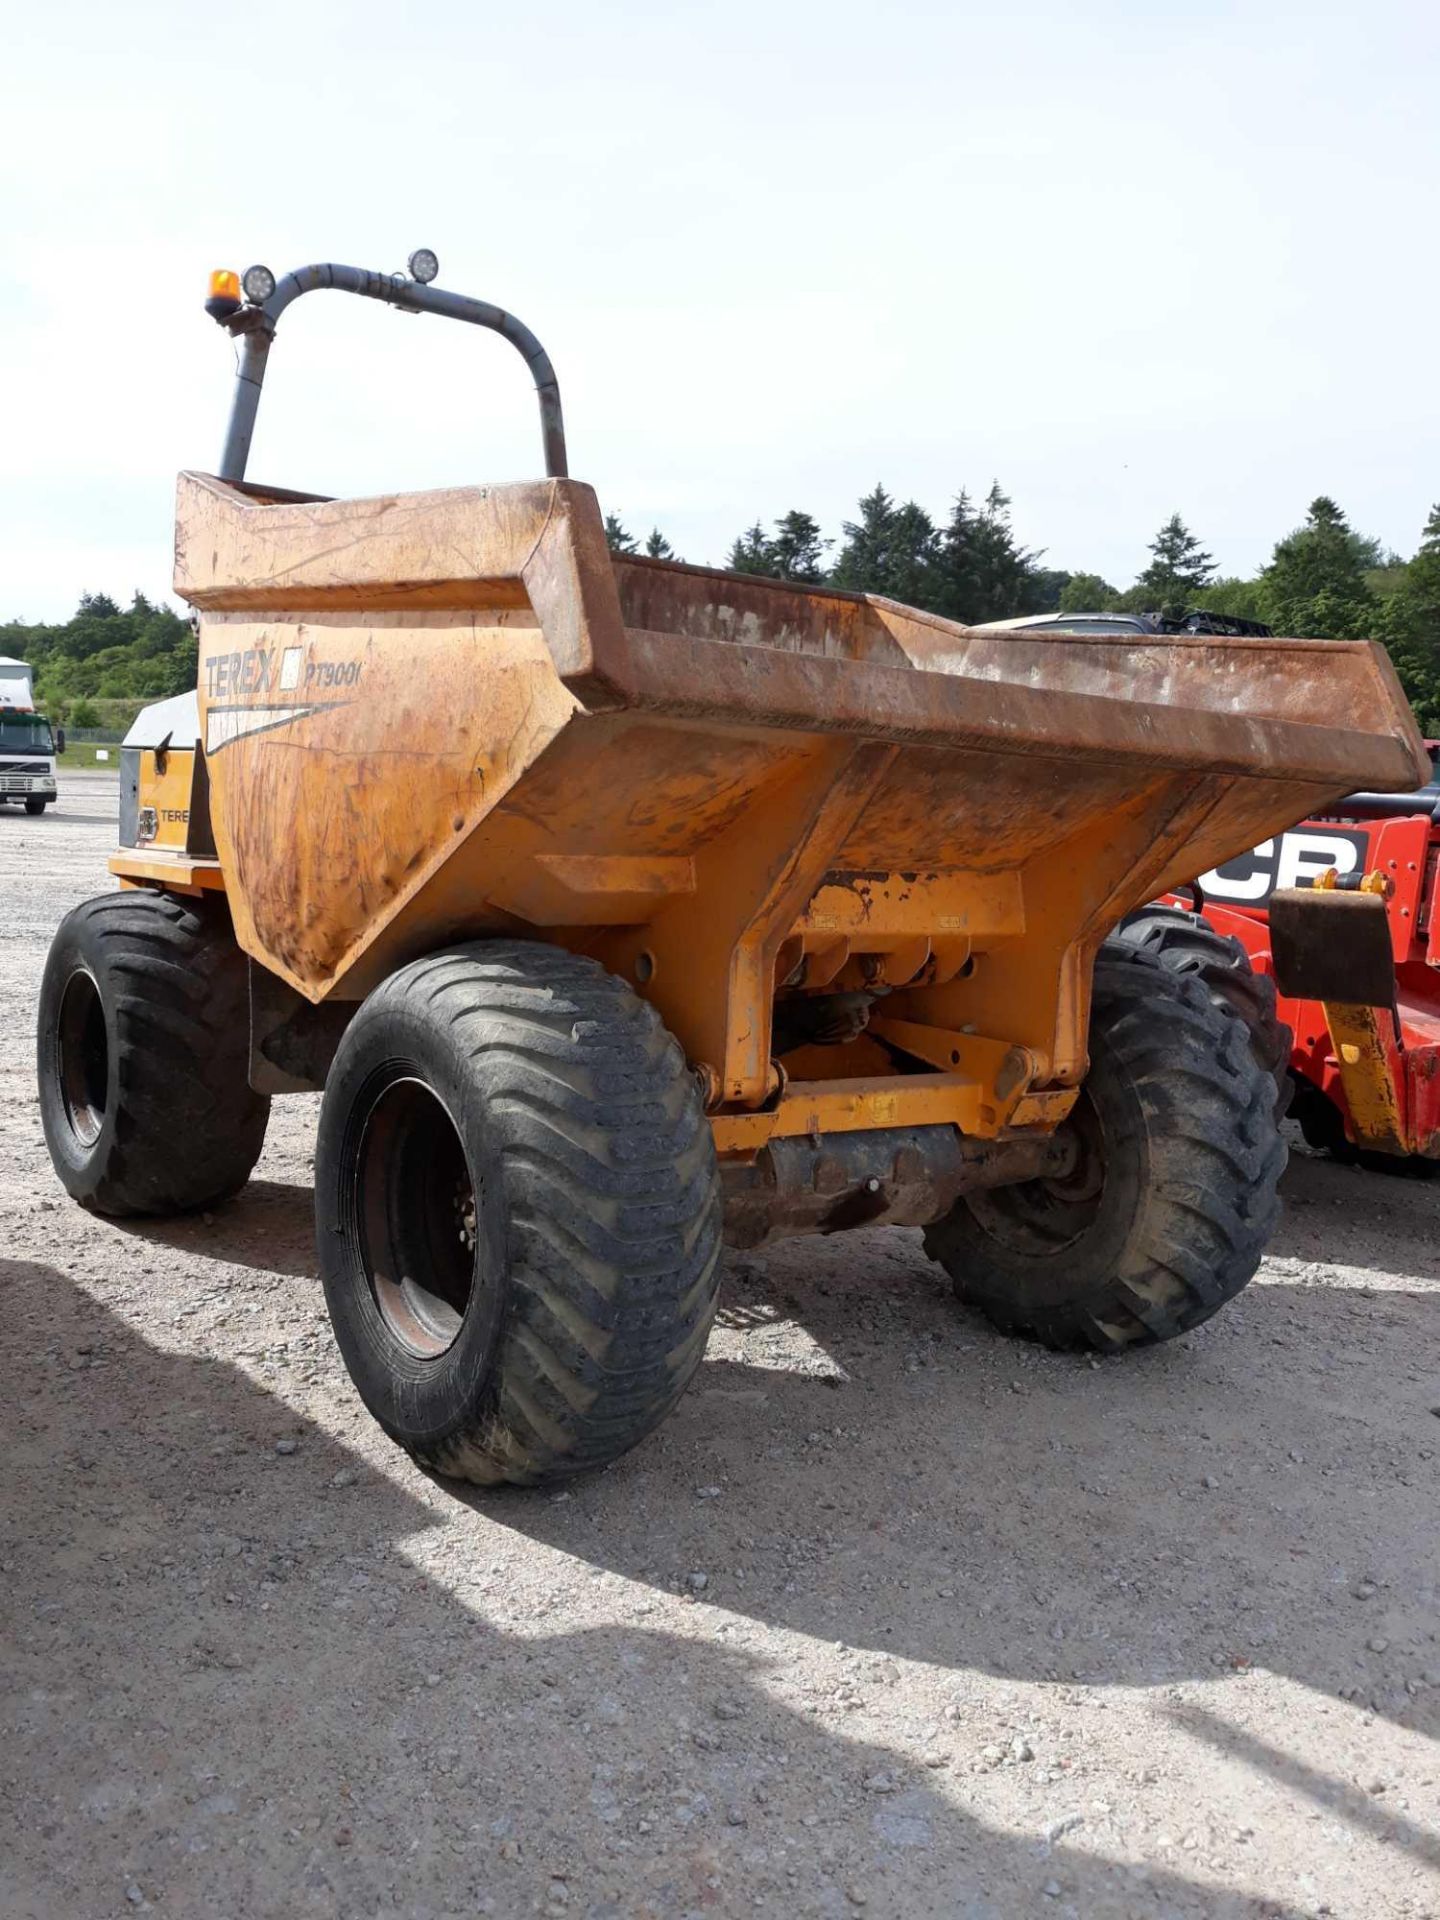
(1128, 258)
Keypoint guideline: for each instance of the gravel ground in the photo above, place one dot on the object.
(895, 1616)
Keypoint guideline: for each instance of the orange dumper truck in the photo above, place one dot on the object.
(623, 907)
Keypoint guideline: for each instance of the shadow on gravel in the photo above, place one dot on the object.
(1334, 1797)
(90, 805)
(893, 1474)
(1260, 1495)
(1334, 1215)
(231, 1684)
(269, 1225)
(1347, 1216)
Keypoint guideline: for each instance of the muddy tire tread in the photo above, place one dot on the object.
(597, 1133)
(1186, 943)
(188, 1127)
(1215, 1156)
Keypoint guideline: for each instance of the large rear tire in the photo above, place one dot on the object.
(517, 1211)
(143, 1056)
(1173, 1196)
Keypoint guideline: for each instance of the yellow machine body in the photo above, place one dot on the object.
(424, 718)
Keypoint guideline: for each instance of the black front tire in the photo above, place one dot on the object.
(1186, 943)
(36, 806)
(1173, 1197)
(517, 1212)
(143, 1056)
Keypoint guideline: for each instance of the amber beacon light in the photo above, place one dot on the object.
(224, 296)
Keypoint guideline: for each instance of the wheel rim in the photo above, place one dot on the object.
(84, 1057)
(415, 1200)
(1047, 1216)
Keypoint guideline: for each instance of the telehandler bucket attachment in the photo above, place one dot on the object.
(1332, 943)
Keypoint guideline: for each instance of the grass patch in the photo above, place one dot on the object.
(82, 754)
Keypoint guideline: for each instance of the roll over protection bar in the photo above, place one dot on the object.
(254, 325)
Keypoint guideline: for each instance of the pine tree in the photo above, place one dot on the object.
(1424, 569)
(864, 558)
(982, 574)
(798, 549)
(1179, 569)
(911, 573)
(616, 537)
(658, 547)
(1409, 624)
(1315, 582)
(889, 550)
(794, 552)
(957, 592)
(752, 552)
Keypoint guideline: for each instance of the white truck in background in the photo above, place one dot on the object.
(27, 744)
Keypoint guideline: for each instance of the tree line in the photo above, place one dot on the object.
(103, 658)
(1324, 580)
